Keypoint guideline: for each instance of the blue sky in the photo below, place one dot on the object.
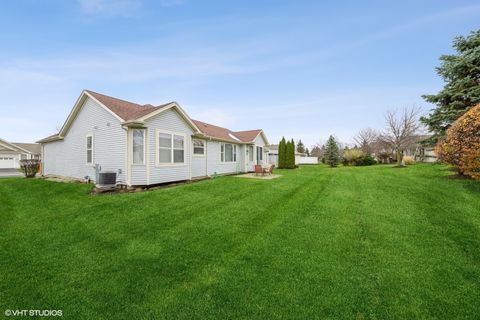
(303, 69)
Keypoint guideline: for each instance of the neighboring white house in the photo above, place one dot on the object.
(300, 158)
(12, 152)
(146, 144)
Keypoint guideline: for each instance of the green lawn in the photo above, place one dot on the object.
(349, 243)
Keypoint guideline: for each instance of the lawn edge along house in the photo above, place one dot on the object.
(146, 144)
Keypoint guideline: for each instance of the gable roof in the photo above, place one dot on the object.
(128, 112)
(213, 131)
(221, 133)
(124, 109)
(34, 148)
(249, 135)
(19, 147)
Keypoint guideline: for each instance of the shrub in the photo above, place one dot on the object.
(29, 167)
(282, 154)
(384, 157)
(461, 147)
(352, 157)
(368, 160)
(408, 160)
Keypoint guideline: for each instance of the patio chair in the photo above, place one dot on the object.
(258, 169)
(269, 170)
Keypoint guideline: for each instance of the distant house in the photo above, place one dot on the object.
(419, 150)
(146, 144)
(12, 152)
(422, 152)
(300, 158)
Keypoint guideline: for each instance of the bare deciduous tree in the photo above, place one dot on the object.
(401, 130)
(365, 139)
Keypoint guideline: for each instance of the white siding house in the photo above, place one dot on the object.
(12, 152)
(145, 144)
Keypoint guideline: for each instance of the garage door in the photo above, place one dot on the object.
(7, 161)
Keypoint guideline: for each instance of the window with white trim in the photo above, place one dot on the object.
(171, 148)
(198, 147)
(250, 153)
(228, 152)
(89, 148)
(178, 149)
(259, 155)
(138, 146)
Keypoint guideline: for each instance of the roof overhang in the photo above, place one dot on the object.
(12, 147)
(50, 139)
(73, 114)
(207, 137)
(133, 124)
(76, 109)
(263, 136)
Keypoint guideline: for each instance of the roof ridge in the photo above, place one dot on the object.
(107, 96)
(213, 125)
(249, 130)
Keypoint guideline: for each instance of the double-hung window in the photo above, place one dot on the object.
(198, 147)
(228, 152)
(171, 148)
(250, 153)
(89, 149)
(138, 146)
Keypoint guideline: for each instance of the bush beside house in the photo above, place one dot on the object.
(30, 167)
(461, 147)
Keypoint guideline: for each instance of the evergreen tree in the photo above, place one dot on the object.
(461, 73)
(307, 152)
(282, 153)
(332, 154)
(300, 147)
(287, 157)
(291, 154)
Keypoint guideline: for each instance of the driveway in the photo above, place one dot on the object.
(7, 173)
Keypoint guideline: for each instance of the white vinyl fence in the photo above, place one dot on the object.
(306, 160)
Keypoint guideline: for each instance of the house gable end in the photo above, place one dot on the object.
(79, 104)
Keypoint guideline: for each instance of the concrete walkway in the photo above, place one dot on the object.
(8, 173)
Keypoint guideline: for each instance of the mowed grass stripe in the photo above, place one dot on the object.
(371, 242)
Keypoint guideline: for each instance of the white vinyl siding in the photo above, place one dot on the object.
(199, 161)
(170, 122)
(260, 142)
(216, 166)
(68, 157)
